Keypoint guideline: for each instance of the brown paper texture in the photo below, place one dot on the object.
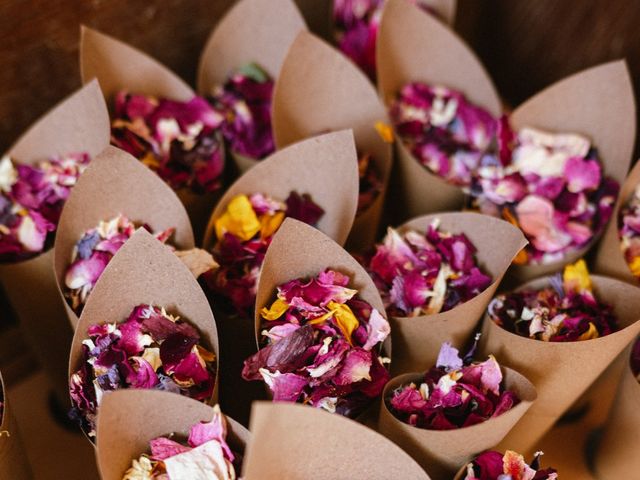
(441, 452)
(598, 103)
(298, 250)
(414, 46)
(117, 183)
(310, 166)
(146, 271)
(259, 31)
(13, 457)
(80, 123)
(561, 371)
(130, 419)
(119, 66)
(418, 339)
(609, 257)
(320, 90)
(617, 454)
(320, 445)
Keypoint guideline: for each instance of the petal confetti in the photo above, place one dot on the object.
(424, 274)
(204, 455)
(322, 344)
(494, 465)
(181, 141)
(455, 393)
(629, 231)
(149, 350)
(566, 311)
(244, 233)
(31, 201)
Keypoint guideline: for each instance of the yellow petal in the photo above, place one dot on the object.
(150, 160)
(590, 334)
(635, 266)
(345, 319)
(270, 223)
(385, 131)
(321, 319)
(276, 311)
(576, 277)
(205, 354)
(239, 219)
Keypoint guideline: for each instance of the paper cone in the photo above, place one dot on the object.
(609, 257)
(116, 183)
(418, 340)
(575, 105)
(119, 66)
(561, 371)
(441, 452)
(321, 446)
(320, 90)
(414, 46)
(130, 419)
(146, 271)
(14, 464)
(78, 124)
(617, 454)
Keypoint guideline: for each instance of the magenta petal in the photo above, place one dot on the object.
(582, 174)
(163, 448)
(355, 368)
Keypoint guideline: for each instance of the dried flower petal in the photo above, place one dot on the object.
(493, 465)
(629, 231)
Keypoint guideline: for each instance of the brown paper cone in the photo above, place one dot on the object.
(609, 257)
(441, 452)
(561, 371)
(146, 271)
(321, 446)
(575, 105)
(321, 90)
(418, 339)
(130, 419)
(414, 46)
(13, 457)
(80, 123)
(311, 166)
(117, 183)
(617, 454)
(119, 66)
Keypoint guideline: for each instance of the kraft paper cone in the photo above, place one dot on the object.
(441, 452)
(130, 419)
(617, 454)
(80, 123)
(119, 66)
(561, 371)
(333, 448)
(609, 257)
(146, 271)
(13, 458)
(258, 31)
(418, 339)
(414, 46)
(116, 183)
(320, 90)
(576, 104)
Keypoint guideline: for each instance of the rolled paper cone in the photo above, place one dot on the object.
(575, 105)
(561, 371)
(617, 451)
(144, 271)
(130, 419)
(335, 448)
(119, 66)
(306, 167)
(418, 339)
(441, 452)
(116, 183)
(609, 257)
(320, 90)
(79, 124)
(413, 46)
(13, 456)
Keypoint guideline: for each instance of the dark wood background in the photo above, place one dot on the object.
(525, 44)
